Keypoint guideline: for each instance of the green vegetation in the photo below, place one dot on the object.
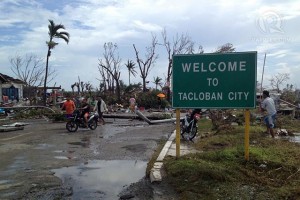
(32, 113)
(37, 113)
(220, 171)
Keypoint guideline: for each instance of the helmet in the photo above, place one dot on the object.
(197, 116)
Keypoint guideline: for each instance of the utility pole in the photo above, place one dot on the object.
(262, 76)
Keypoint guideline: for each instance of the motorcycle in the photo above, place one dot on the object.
(189, 127)
(77, 121)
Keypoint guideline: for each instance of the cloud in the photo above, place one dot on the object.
(279, 53)
(146, 26)
(91, 23)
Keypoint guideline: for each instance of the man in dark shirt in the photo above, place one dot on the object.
(85, 107)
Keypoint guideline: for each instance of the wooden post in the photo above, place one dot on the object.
(247, 129)
(177, 133)
(54, 100)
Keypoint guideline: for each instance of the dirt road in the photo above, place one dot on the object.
(36, 163)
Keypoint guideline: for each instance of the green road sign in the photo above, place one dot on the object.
(224, 80)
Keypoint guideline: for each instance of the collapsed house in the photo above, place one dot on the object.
(10, 88)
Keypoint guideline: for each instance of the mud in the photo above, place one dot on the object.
(44, 161)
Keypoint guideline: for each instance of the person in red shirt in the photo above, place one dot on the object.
(69, 106)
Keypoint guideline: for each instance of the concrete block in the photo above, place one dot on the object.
(155, 175)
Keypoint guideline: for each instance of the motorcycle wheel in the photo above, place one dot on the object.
(93, 125)
(193, 133)
(72, 126)
(182, 129)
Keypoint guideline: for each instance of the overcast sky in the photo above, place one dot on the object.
(270, 27)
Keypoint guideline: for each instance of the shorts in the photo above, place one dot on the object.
(270, 120)
(84, 114)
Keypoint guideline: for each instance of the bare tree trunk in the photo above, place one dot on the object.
(112, 66)
(182, 44)
(150, 59)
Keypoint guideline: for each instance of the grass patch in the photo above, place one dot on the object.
(204, 125)
(220, 171)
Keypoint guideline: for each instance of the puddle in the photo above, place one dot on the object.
(295, 138)
(131, 125)
(100, 179)
(83, 144)
(135, 148)
(43, 146)
(110, 130)
(6, 185)
(64, 157)
(4, 182)
(140, 126)
(8, 194)
(68, 157)
(58, 151)
(19, 163)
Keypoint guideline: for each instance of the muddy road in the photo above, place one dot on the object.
(45, 161)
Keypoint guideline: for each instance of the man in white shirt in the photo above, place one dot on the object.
(269, 106)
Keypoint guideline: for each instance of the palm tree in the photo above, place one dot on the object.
(157, 81)
(53, 33)
(131, 68)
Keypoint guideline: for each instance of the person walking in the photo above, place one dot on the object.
(100, 107)
(268, 105)
(69, 107)
(92, 101)
(132, 104)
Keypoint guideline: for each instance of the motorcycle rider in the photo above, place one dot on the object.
(85, 107)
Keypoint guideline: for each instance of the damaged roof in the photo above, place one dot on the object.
(7, 79)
